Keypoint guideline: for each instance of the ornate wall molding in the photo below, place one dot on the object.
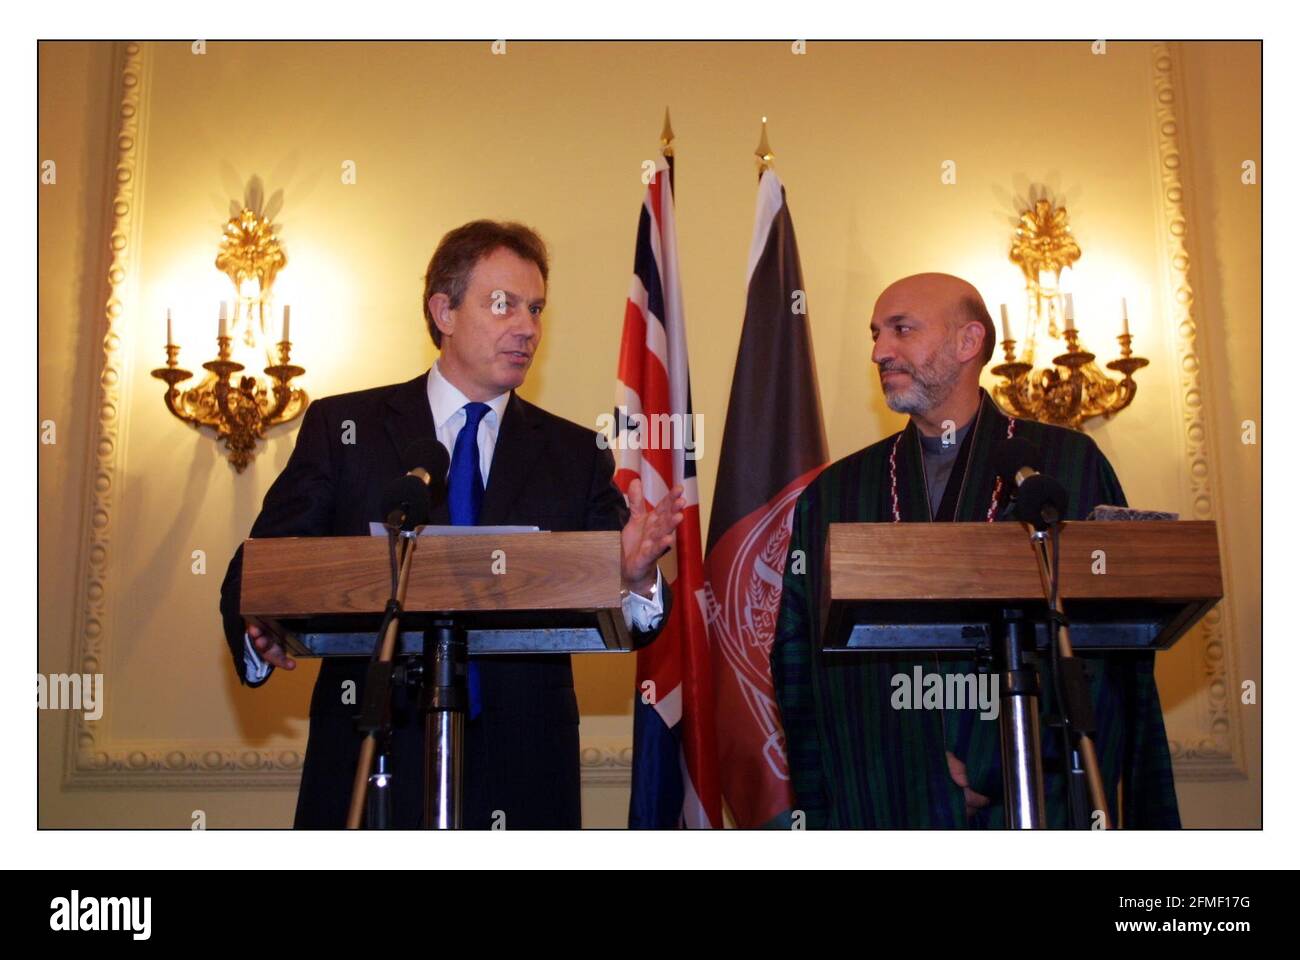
(93, 758)
(606, 761)
(88, 749)
(1215, 751)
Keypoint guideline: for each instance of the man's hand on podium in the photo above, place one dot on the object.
(647, 536)
(957, 770)
(267, 645)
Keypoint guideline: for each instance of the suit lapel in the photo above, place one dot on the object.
(519, 444)
(909, 469)
(987, 435)
(407, 419)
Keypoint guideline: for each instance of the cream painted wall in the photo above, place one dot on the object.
(554, 134)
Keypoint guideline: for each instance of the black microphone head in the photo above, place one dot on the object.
(432, 457)
(1041, 501)
(406, 502)
(429, 454)
(1013, 454)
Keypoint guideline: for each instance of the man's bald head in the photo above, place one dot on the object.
(939, 295)
(933, 336)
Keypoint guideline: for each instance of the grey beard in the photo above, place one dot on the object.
(931, 384)
(915, 399)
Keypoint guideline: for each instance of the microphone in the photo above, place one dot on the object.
(1040, 500)
(409, 500)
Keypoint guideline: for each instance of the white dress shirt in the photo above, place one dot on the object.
(447, 404)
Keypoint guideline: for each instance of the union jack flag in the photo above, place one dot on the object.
(674, 769)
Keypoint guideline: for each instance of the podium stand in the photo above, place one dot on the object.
(470, 594)
(975, 588)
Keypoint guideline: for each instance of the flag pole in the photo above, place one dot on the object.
(764, 152)
(666, 148)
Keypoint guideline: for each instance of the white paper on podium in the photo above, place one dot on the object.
(446, 530)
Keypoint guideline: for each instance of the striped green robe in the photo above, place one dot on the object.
(857, 762)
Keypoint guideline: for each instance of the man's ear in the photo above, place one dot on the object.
(440, 310)
(970, 340)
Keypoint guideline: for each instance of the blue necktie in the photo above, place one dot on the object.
(465, 499)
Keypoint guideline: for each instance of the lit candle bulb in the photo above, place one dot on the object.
(1123, 309)
(170, 341)
(1006, 324)
(285, 338)
(1069, 311)
(221, 321)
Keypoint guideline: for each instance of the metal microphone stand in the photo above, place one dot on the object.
(444, 701)
(1073, 698)
(1022, 767)
(1022, 761)
(376, 713)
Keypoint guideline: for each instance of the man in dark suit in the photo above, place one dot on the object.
(516, 464)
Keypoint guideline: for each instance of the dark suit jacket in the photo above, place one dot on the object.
(521, 752)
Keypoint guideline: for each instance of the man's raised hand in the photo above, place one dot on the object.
(648, 534)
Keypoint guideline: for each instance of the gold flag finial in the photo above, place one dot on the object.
(763, 151)
(666, 138)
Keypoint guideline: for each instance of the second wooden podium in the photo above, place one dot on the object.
(978, 590)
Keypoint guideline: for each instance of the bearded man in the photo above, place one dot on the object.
(855, 760)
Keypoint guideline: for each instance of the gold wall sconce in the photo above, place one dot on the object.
(1073, 389)
(240, 411)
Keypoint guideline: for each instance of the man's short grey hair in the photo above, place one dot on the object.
(972, 309)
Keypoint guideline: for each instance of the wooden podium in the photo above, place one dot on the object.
(514, 593)
(462, 594)
(927, 587)
(978, 589)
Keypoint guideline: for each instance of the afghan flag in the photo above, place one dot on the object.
(772, 446)
(674, 754)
